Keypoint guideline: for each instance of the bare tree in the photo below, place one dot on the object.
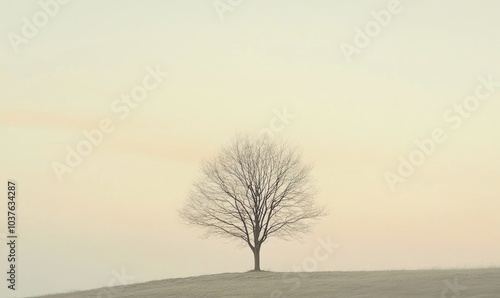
(253, 189)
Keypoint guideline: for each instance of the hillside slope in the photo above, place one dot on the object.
(423, 283)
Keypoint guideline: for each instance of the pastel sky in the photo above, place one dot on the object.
(117, 210)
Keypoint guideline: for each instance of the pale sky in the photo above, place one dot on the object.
(117, 210)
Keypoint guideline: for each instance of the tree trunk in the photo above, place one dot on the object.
(256, 258)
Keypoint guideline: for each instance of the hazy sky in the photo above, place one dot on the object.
(117, 210)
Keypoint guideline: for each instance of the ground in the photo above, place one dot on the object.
(419, 283)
